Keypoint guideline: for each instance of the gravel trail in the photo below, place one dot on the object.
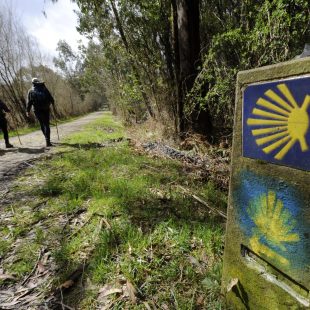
(33, 144)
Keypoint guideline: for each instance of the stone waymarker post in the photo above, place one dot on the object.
(267, 251)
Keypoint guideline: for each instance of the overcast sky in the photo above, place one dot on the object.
(59, 24)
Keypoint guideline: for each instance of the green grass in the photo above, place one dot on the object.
(141, 228)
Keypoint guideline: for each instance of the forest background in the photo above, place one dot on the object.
(172, 61)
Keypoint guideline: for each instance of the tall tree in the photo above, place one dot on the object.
(187, 51)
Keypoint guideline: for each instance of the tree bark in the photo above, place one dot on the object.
(189, 40)
(187, 50)
(179, 126)
(188, 44)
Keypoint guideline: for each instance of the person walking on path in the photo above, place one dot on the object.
(40, 98)
(3, 123)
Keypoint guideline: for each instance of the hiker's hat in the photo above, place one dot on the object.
(36, 81)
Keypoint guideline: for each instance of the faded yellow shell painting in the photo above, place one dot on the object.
(281, 125)
(273, 227)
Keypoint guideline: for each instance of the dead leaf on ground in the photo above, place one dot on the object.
(131, 292)
(158, 193)
(7, 293)
(105, 297)
(41, 267)
(194, 261)
(8, 305)
(109, 290)
(45, 258)
(24, 293)
(200, 300)
(147, 306)
(6, 276)
(165, 306)
(107, 307)
(233, 282)
(28, 300)
(67, 284)
(107, 224)
(204, 258)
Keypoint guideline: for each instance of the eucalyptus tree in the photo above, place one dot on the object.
(111, 22)
(153, 47)
(71, 64)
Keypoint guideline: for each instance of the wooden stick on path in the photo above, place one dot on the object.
(15, 125)
(55, 118)
(219, 212)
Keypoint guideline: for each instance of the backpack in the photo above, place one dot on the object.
(41, 98)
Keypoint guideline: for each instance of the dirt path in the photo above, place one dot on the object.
(33, 144)
(34, 291)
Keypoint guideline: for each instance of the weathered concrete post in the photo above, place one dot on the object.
(267, 252)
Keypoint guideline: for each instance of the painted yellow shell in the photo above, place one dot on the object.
(274, 224)
(284, 123)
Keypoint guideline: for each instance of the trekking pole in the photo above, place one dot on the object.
(15, 125)
(57, 129)
(56, 123)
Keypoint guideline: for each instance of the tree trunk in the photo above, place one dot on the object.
(188, 41)
(179, 126)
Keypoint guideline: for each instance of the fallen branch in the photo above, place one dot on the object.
(71, 216)
(39, 204)
(34, 268)
(71, 280)
(81, 227)
(104, 220)
(99, 229)
(76, 275)
(88, 220)
(61, 302)
(214, 210)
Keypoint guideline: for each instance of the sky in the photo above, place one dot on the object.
(59, 24)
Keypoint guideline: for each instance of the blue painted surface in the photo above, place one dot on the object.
(296, 253)
(295, 157)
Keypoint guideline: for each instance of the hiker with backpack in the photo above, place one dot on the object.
(3, 123)
(40, 98)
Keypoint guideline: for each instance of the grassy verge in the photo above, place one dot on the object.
(121, 215)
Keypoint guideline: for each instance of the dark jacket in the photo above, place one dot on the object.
(40, 103)
(3, 108)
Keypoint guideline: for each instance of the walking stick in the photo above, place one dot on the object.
(56, 122)
(15, 125)
(57, 129)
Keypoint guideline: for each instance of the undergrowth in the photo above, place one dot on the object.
(137, 226)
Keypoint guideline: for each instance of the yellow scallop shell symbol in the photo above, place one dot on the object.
(274, 224)
(281, 123)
